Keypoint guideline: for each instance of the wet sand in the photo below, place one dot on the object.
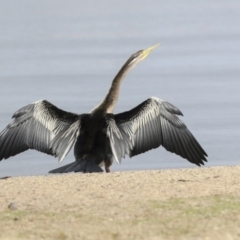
(198, 203)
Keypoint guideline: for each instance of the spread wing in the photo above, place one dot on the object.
(40, 126)
(149, 125)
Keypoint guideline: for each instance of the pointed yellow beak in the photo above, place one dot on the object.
(148, 50)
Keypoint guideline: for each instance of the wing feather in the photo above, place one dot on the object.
(154, 123)
(35, 126)
(63, 141)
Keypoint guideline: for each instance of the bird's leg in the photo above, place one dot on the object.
(107, 169)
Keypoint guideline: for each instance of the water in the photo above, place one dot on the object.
(68, 52)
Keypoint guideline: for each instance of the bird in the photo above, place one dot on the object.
(100, 137)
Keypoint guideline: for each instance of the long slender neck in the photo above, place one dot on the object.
(108, 104)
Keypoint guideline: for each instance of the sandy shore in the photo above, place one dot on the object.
(199, 203)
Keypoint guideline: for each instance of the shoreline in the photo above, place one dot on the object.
(211, 180)
(103, 202)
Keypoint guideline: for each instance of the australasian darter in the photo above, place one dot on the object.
(101, 136)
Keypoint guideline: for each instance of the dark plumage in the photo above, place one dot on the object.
(100, 136)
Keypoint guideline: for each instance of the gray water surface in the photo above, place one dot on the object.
(69, 51)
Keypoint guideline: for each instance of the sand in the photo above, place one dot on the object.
(197, 203)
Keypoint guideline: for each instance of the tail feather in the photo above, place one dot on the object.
(86, 166)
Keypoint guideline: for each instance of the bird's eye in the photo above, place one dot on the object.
(135, 55)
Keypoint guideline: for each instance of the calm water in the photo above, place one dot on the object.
(68, 52)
